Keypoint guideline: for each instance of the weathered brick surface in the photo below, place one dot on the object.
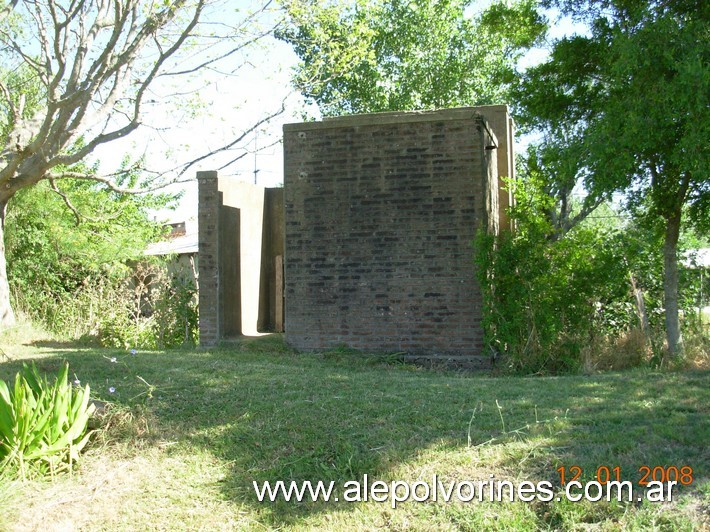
(209, 203)
(380, 214)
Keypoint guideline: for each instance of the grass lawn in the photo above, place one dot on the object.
(186, 457)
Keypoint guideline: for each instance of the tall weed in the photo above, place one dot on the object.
(147, 307)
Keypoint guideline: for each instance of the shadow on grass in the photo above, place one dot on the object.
(275, 415)
(65, 344)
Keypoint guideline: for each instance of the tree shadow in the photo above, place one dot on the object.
(337, 417)
(63, 344)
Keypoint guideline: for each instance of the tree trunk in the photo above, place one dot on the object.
(7, 316)
(641, 311)
(670, 284)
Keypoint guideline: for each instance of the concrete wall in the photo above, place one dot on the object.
(271, 293)
(245, 244)
(502, 124)
(380, 213)
(240, 234)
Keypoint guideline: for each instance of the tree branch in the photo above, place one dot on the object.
(245, 153)
(236, 141)
(109, 181)
(66, 200)
(248, 21)
(581, 215)
(9, 7)
(90, 51)
(14, 111)
(103, 138)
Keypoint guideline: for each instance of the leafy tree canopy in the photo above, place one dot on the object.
(60, 238)
(625, 109)
(385, 55)
(629, 103)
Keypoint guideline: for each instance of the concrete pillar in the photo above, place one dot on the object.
(230, 270)
(504, 129)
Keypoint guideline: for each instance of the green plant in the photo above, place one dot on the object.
(548, 296)
(363, 57)
(67, 267)
(155, 309)
(624, 105)
(42, 424)
(175, 315)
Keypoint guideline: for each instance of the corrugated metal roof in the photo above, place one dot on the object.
(180, 245)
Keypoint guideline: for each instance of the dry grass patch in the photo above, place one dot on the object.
(151, 490)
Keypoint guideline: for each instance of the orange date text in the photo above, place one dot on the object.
(682, 475)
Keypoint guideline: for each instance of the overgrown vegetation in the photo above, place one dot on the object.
(590, 297)
(155, 309)
(219, 420)
(80, 271)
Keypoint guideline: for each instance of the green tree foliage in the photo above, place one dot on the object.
(590, 294)
(591, 297)
(77, 266)
(625, 109)
(393, 55)
(547, 298)
(64, 237)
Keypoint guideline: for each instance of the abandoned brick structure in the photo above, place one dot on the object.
(379, 213)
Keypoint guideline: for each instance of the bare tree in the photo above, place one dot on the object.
(89, 67)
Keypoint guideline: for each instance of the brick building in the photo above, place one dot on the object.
(379, 213)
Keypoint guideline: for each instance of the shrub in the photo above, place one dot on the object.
(589, 297)
(68, 268)
(146, 307)
(158, 309)
(546, 299)
(43, 426)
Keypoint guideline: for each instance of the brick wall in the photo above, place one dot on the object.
(380, 214)
(209, 203)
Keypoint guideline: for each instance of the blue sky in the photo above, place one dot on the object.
(221, 106)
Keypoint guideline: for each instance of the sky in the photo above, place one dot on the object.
(218, 108)
(214, 111)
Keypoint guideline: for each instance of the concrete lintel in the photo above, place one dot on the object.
(396, 117)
